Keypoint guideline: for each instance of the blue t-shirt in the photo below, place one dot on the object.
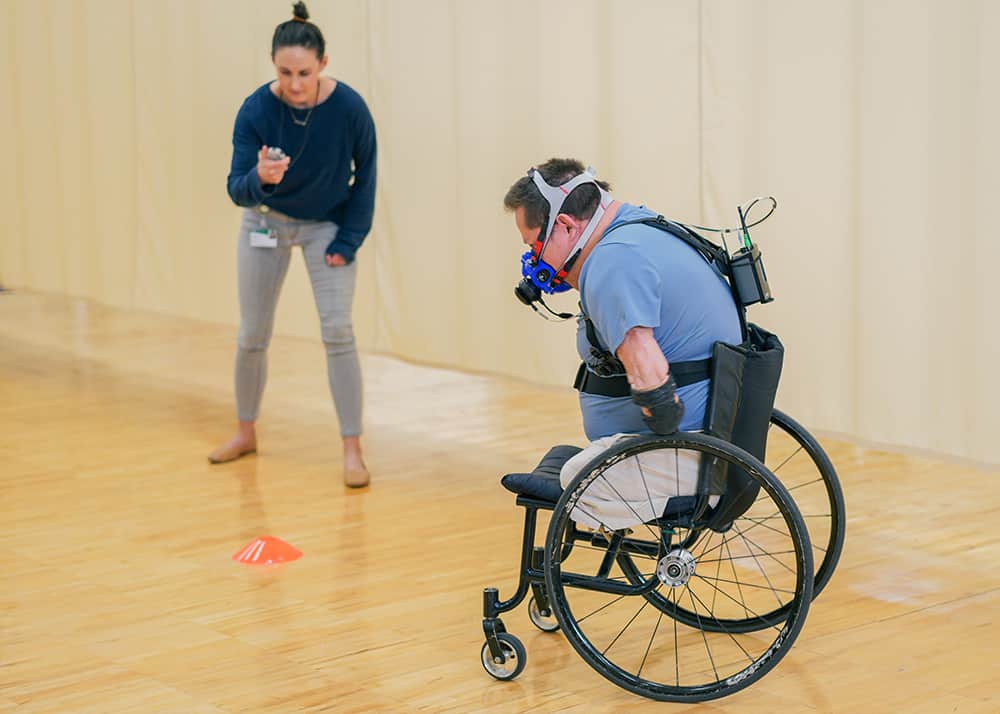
(332, 173)
(641, 276)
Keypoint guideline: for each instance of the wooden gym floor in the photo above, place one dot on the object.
(118, 594)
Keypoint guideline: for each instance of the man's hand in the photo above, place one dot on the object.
(662, 409)
(335, 259)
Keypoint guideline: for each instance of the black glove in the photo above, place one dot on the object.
(665, 407)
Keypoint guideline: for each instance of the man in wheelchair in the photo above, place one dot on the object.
(649, 304)
(669, 514)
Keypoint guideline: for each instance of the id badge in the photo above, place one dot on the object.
(263, 238)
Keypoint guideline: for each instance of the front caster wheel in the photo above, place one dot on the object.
(544, 621)
(514, 657)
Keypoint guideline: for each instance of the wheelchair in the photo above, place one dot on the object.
(661, 598)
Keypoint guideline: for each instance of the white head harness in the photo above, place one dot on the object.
(555, 196)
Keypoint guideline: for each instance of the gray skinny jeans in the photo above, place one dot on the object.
(261, 273)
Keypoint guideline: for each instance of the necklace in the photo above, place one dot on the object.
(295, 119)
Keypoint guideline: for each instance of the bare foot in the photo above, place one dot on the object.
(243, 443)
(356, 478)
(355, 473)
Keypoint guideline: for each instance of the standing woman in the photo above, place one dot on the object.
(318, 193)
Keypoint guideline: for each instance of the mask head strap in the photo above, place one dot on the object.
(556, 196)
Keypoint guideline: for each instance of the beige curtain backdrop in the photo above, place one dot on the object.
(873, 123)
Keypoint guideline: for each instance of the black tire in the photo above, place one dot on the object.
(515, 657)
(734, 659)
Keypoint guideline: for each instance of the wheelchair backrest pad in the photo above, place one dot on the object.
(744, 384)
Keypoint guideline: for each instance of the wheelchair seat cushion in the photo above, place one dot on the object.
(543, 481)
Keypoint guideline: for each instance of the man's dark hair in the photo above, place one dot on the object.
(581, 202)
(299, 32)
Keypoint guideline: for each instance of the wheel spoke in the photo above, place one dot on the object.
(749, 611)
(718, 569)
(743, 557)
(777, 515)
(747, 585)
(760, 522)
(739, 585)
(776, 470)
(725, 630)
(761, 567)
(677, 657)
(651, 638)
(677, 472)
(763, 551)
(587, 513)
(602, 607)
(639, 518)
(704, 637)
(746, 530)
(803, 485)
(642, 475)
(627, 625)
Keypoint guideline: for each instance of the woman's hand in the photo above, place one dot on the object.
(271, 172)
(335, 260)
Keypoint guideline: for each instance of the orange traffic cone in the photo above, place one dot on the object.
(267, 550)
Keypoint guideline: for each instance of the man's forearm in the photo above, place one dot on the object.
(644, 362)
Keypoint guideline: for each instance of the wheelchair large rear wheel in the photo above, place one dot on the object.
(614, 619)
(804, 469)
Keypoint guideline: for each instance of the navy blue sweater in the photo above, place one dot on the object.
(318, 184)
